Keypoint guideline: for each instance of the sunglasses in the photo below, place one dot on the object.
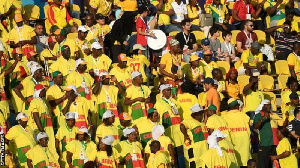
(251, 25)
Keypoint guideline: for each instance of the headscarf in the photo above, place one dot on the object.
(213, 143)
(38, 89)
(260, 107)
(157, 131)
(229, 72)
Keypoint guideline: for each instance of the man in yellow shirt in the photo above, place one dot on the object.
(48, 53)
(164, 18)
(207, 63)
(252, 58)
(102, 7)
(97, 62)
(81, 42)
(93, 34)
(58, 15)
(60, 37)
(293, 61)
(157, 159)
(289, 16)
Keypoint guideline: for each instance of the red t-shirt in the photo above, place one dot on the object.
(141, 39)
(242, 9)
(241, 37)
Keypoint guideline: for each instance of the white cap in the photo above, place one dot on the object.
(108, 140)
(96, 45)
(218, 134)
(21, 115)
(103, 73)
(196, 108)
(255, 72)
(82, 28)
(41, 135)
(70, 115)
(128, 131)
(135, 74)
(31, 64)
(34, 68)
(164, 86)
(83, 130)
(157, 131)
(108, 114)
(79, 61)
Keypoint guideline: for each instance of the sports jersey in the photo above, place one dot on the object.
(123, 75)
(217, 122)
(169, 120)
(37, 105)
(138, 63)
(186, 101)
(219, 14)
(239, 131)
(62, 65)
(43, 156)
(198, 134)
(100, 64)
(103, 30)
(193, 74)
(285, 97)
(290, 109)
(228, 148)
(48, 53)
(279, 13)
(293, 61)
(268, 128)
(83, 83)
(164, 145)
(82, 152)
(158, 160)
(23, 138)
(58, 15)
(233, 90)
(252, 60)
(252, 100)
(208, 67)
(193, 12)
(81, 45)
(69, 42)
(290, 161)
(132, 153)
(103, 160)
(105, 7)
(104, 130)
(22, 33)
(211, 158)
(169, 60)
(93, 34)
(145, 130)
(137, 110)
(128, 5)
(164, 18)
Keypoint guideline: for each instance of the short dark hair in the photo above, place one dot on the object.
(213, 30)
(184, 21)
(251, 161)
(142, 9)
(157, 143)
(288, 23)
(289, 12)
(225, 33)
(290, 81)
(187, 86)
(284, 131)
(296, 111)
(39, 24)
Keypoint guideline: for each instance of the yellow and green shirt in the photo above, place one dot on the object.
(43, 156)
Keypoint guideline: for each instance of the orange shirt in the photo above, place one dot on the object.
(213, 95)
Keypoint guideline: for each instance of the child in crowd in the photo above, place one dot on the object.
(215, 44)
(227, 47)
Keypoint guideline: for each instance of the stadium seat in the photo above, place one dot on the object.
(282, 67)
(199, 36)
(237, 64)
(243, 80)
(261, 36)
(234, 34)
(268, 65)
(221, 37)
(173, 33)
(272, 97)
(265, 82)
(224, 66)
(282, 79)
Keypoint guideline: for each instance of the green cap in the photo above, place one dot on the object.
(151, 110)
(62, 48)
(56, 73)
(212, 107)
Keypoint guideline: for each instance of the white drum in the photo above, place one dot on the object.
(159, 41)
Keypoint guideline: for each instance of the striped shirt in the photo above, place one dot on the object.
(284, 42)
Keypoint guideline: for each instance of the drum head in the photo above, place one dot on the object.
(159, 42)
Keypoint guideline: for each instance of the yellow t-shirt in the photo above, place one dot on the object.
(81, 44)
(295, 26)
(106, 161)
(193, 74)
(23, 33)
(168, 60)
(230, 157)
(65, 135)
(81, 81)
(217, 122)
(233, 90)
(158, 160)
(192, 13)
(103, 30)
(164, 145)
(290, 109)
(164, 19)
(62, 65)
(280, 11)
(186, 101)
(211, 158)
(285, 97)
(252, 100)
(60, 15)
(123, 75)
(252, 60)
(128, 5)
(145, 130)
(290, 161)
(69, 42)
(208, 67)
(138, 63)
(41, 156)
(102, 63)
(217, 12)
(93, 34)
(104, 130)
(126, 151)
(48, 54)
(105, 7)
(138, 109)
(293, 61)
(239, 131)
(87, 150)
(24, 140)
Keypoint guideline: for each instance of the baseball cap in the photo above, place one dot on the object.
(255, 45)
(209, 80)
(164, 86)
(196, 108)
(79, 62)
(232, 102)
(205, 41)
(157, 131)
(34, 68)
(135, 74)
(122, 57)
(31, 54)
(294, 95)
(151, 110)
(82, 28)
(18, 17)
(108, 140)
(138, 47)
(83, 130)
(56, 73)
(128, 131)
(60, 31)
(108, 114)
(173, 42)
(70, 115)
(41, 135)
(96, 45)
(125, 116)
(22, 116)
(194, 57)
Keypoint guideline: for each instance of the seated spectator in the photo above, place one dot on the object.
(252, 58)
(283, 41)
(289, 16)
(207, 63)
(194, 12)
(100, 7)
(164, 18)
(187, 40)
(205, 45)
(277, 10)
(294, 62)
(214, 42)
(180, 12)
(243, 10)
(233, 88)
(227, 47)
(193, 71)
(220, 14)
(292, 86)
(245, 37)
(218, 76)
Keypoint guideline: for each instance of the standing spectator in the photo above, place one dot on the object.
(239, 131)
(105, 155)
(62, 40)
(103, 7)
(283, 41)
(233, 88)
(187, 40)
(180, 12)
(294, 62)
(142, 27)
(41, 39)
(212, 95)
(220, 14)
(267, 123)
(82, 43)
(157, 158)
(243, 10)
(245, 37)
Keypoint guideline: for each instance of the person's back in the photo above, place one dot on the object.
(211, 158)
(217, 122)
(213, 95)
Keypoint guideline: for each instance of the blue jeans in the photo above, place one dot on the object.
(169, 28)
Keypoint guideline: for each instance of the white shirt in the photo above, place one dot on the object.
(180, 11)
(1, 46)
